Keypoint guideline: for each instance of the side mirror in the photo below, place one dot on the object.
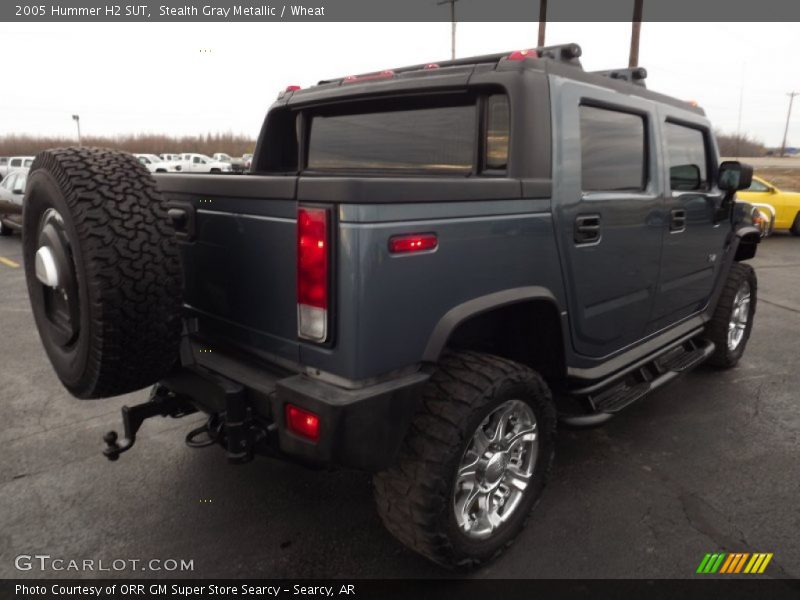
(734, 176)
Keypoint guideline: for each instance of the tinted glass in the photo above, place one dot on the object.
(441, 138)
(686, 152)
(497, 132)
(612, 150)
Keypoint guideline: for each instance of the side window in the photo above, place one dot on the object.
(196, 160)
(8, 182)
(688, 162)
(613, 150)
(497, 132)
(16, 162)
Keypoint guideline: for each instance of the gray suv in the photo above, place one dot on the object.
(426, 270)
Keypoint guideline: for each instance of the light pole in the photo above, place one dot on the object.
(636, 28)
(788, 116)
(452, 4)
(542, 21)
(77, 119)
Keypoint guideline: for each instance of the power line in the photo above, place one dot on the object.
(788, 116)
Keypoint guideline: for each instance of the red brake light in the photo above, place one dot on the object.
(293, 88)
(388, 74)
(301, 422)
(312, 273)
(413, 243)
(523, 54)
(432, 66)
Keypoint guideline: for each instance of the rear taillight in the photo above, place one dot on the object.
(312, 274)
(302, 423)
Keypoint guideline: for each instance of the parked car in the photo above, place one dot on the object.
(247, 160)
(155, 164)
(406, 288)
(237, 164)
(12, 190)
(785, 204)
(176, 158)
(8, 164)
(200, 163)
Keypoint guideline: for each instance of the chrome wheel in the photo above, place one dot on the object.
(496, 469)
(740, 315)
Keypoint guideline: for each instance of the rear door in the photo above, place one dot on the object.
(608, 206)
(694, 233)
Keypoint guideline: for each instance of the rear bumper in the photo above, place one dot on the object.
(359, 428)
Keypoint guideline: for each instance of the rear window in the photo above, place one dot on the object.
(441, 138)
(613, 154)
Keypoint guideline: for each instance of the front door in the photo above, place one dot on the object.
(695, 231)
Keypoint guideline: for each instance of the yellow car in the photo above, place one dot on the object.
(786, 204)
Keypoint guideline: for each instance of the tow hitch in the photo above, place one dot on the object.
(162, 403)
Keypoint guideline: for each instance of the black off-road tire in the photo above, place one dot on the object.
(414, 497)
(795, 228)
(125, 266)
(717, 329)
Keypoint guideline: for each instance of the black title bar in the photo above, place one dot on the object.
(731, 588)
(396, 10)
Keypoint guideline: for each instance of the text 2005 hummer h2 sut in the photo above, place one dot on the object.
(426, 269)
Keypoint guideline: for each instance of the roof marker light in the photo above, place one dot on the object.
(293, 88)
(523, 54)
(388, 74)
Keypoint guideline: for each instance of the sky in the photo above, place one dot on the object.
(190, 78)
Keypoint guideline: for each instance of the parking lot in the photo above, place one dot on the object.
(709, 463)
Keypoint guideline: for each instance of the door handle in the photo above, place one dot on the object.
(677, 221)
(587, 229)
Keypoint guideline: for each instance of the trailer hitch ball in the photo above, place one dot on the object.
(112, 450)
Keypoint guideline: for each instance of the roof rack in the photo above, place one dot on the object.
(568, 53)
(635, 75)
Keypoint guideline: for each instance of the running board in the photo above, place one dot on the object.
(603, 403)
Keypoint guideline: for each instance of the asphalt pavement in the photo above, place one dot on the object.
(709, 463)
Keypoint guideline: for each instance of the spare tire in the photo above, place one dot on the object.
(103, 271)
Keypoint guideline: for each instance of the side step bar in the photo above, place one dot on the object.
(610, 399)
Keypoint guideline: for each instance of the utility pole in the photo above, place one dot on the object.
(636, 27)
(542, 21)
(452, 4)
(77, 119)
(788, 116)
